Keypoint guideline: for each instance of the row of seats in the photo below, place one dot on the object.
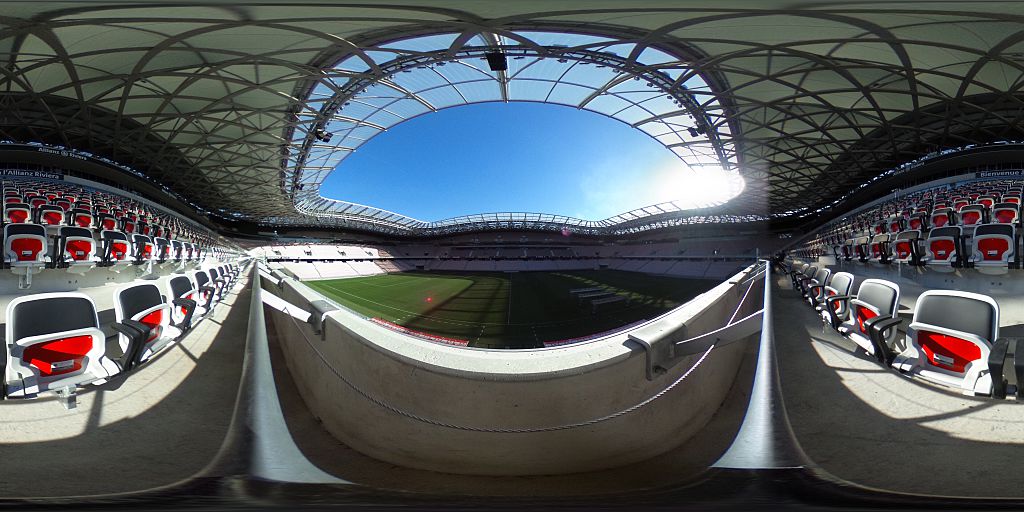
(990, 248)
(952, 340)
(30, 248)
(968, 205)
(54, 216)
(61, 203)
(55, 343)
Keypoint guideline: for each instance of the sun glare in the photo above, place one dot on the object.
(699, 187)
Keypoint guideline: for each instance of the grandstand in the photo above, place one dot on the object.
(190, 322)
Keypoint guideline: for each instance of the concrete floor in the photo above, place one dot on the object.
(874, 427)
(681, 464)
(161, 425)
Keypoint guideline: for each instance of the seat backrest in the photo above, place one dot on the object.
(994, 242)
(822, 275)
(179, 285)
(80, 217)
(841, 282)
(26, 241)
(201, 279)
(53, 357)
(143, 246)
(136, 298)
(950, 325)
(50, 215)
(1005, 213)
(972, 214)
(64, 204)
(116, 245)
(17, 213)
(882, 295)
(941, 242)
(163, 248)
(45, 313)
(76, 243)
(970, 313)
(942, 217)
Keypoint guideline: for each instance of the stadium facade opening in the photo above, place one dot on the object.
(653, 91)
(523, 156)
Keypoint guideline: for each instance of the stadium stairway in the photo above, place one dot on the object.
(160, 424)
(874, 427)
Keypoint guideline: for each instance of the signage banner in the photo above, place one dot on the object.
(1015, 173)
(23, 173)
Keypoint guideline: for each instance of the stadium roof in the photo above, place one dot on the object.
(224, 104)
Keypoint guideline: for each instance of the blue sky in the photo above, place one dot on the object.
(495, 157)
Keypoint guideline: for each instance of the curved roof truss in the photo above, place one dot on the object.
(216, 101)
(363, 96)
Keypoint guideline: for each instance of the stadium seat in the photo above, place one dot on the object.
(1006, 213)
(162, 251)
(127, 225)
(942, 248)
(17, 213)
(815, 288)
(972, 215)
(35, 201)
(942, 217)
(950, 339)
(116, 250)
(105, 222)
(49, 215)
(80, 217)
(218, 281)
(64, 203)
(76, 249)
(906, 248)
(862, 249)
(994, 248)
(25, 251)
(176, 251)
(876, 300)
(881, 251)
(207, 290)
(142, 249)
(918, 222)
(185, 298)
(54, 343)
(140, 306)
(805, 272)
(896, 224)
(840, 284)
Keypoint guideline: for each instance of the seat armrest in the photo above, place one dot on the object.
(833, 316)
(1018, 368)
(876, 327)
(136, 332)
(996, 363)
(190, 309)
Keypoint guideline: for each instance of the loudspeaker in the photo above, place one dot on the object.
(497, 61)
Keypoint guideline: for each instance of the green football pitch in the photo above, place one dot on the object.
(509, 310)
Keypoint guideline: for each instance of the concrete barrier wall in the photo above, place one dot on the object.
(423, 405)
